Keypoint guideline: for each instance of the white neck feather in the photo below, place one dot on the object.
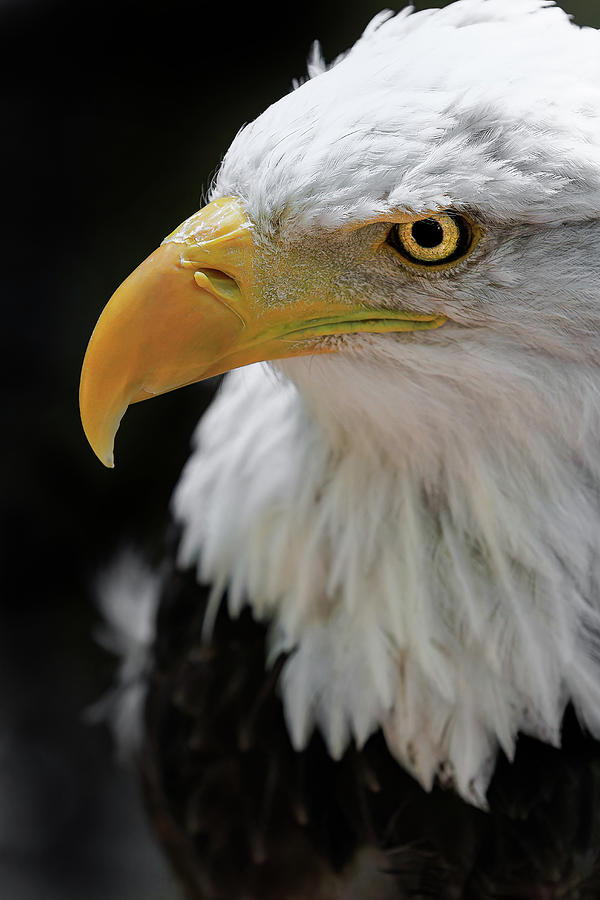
(424, 540)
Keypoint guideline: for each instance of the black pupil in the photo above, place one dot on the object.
(428, 233)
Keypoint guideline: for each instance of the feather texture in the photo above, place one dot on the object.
(223, 784)
(486, 104)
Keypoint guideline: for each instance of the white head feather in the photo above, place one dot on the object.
(419, 515)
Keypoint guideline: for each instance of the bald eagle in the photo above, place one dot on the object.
(388, 562)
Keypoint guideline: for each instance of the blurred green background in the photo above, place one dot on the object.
(114, 116)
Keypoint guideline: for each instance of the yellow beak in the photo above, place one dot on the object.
(192, 310)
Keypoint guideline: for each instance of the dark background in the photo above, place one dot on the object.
(114, 115)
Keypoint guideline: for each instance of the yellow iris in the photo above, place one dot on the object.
(440, 239)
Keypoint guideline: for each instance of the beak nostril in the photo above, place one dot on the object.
(218, 283)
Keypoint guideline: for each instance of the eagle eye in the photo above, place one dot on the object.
(433, 242)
